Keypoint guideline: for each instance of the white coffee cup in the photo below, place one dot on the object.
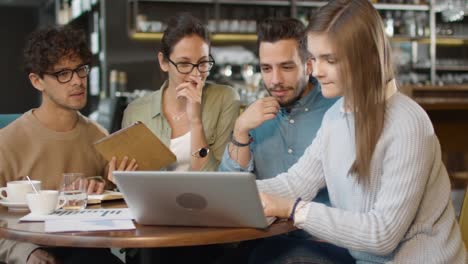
(16, 190)
(44, 202)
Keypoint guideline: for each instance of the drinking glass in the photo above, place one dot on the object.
(73, 189)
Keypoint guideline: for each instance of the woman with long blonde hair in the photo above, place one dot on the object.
(376, 152)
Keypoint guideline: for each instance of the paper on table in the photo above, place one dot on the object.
(87, 225)
(85, 214)
(271, 219)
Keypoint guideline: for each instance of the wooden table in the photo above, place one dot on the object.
(141, 237)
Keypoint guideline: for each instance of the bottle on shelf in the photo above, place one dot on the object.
(397, 23)
(389, 24)
(113, 83)
(122, 81)
(64, 12)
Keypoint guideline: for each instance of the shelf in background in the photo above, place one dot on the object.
(451, 68)
(442, 103)
(299, 3)
(410, 39)
(440, 40)
(447, 87)
(405, 7)
(420, 67)
(452, 41)
(146, 35)
(233, 37)
(255, 2)
(310, 3)
(434, 97)
(217, 37)
(181, 1)
(253, 37)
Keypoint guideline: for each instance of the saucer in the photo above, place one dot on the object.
(16, 207)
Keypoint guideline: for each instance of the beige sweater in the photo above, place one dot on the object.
(29, 148)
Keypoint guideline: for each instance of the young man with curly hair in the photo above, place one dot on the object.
(55, 138)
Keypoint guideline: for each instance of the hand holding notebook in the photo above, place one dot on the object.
(139, 143)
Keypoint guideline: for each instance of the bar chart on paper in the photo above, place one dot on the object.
(85, 214)
(67, 225)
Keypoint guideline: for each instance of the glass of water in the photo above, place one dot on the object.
(73, 189)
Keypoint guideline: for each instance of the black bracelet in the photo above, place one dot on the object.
(237, 143)
(291, 216)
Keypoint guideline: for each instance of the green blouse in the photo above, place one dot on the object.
(220, 109)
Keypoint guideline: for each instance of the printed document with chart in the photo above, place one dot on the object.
(84, 220)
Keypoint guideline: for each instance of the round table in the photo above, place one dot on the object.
(142, 237)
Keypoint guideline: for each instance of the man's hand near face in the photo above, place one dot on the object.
(260, 111)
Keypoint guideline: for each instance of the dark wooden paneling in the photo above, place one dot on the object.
(17, 93)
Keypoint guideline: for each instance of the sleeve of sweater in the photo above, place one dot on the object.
(13, 252)
(407, 164)
(304, 179)
(6, 164)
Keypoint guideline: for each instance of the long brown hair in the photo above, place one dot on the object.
(356, 30)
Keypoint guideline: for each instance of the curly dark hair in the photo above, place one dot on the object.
(46, 47)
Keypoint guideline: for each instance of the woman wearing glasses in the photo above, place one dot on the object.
(193, 117)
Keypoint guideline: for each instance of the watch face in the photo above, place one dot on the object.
(203, 152)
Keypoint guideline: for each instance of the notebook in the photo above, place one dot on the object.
(106, 196)
(213, 199)
(136, 142)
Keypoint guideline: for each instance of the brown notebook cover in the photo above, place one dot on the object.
(136, 142)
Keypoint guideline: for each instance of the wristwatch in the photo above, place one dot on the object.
(201, 153)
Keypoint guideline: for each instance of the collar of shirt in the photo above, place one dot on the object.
(390, 90)
(156, 101)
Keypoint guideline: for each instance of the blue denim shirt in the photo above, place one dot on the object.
(280, 142)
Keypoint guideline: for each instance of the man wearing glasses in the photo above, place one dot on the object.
(54, 138)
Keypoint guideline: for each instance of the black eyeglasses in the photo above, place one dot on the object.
(187, 67)
(65, 76)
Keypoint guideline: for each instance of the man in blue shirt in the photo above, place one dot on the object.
(273, 132)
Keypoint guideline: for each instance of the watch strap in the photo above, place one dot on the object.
(239, 144)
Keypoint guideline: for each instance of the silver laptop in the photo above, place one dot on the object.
(216, 199)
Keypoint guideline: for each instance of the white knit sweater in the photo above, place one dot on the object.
(403, 215)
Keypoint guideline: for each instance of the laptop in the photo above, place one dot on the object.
(211, 199)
